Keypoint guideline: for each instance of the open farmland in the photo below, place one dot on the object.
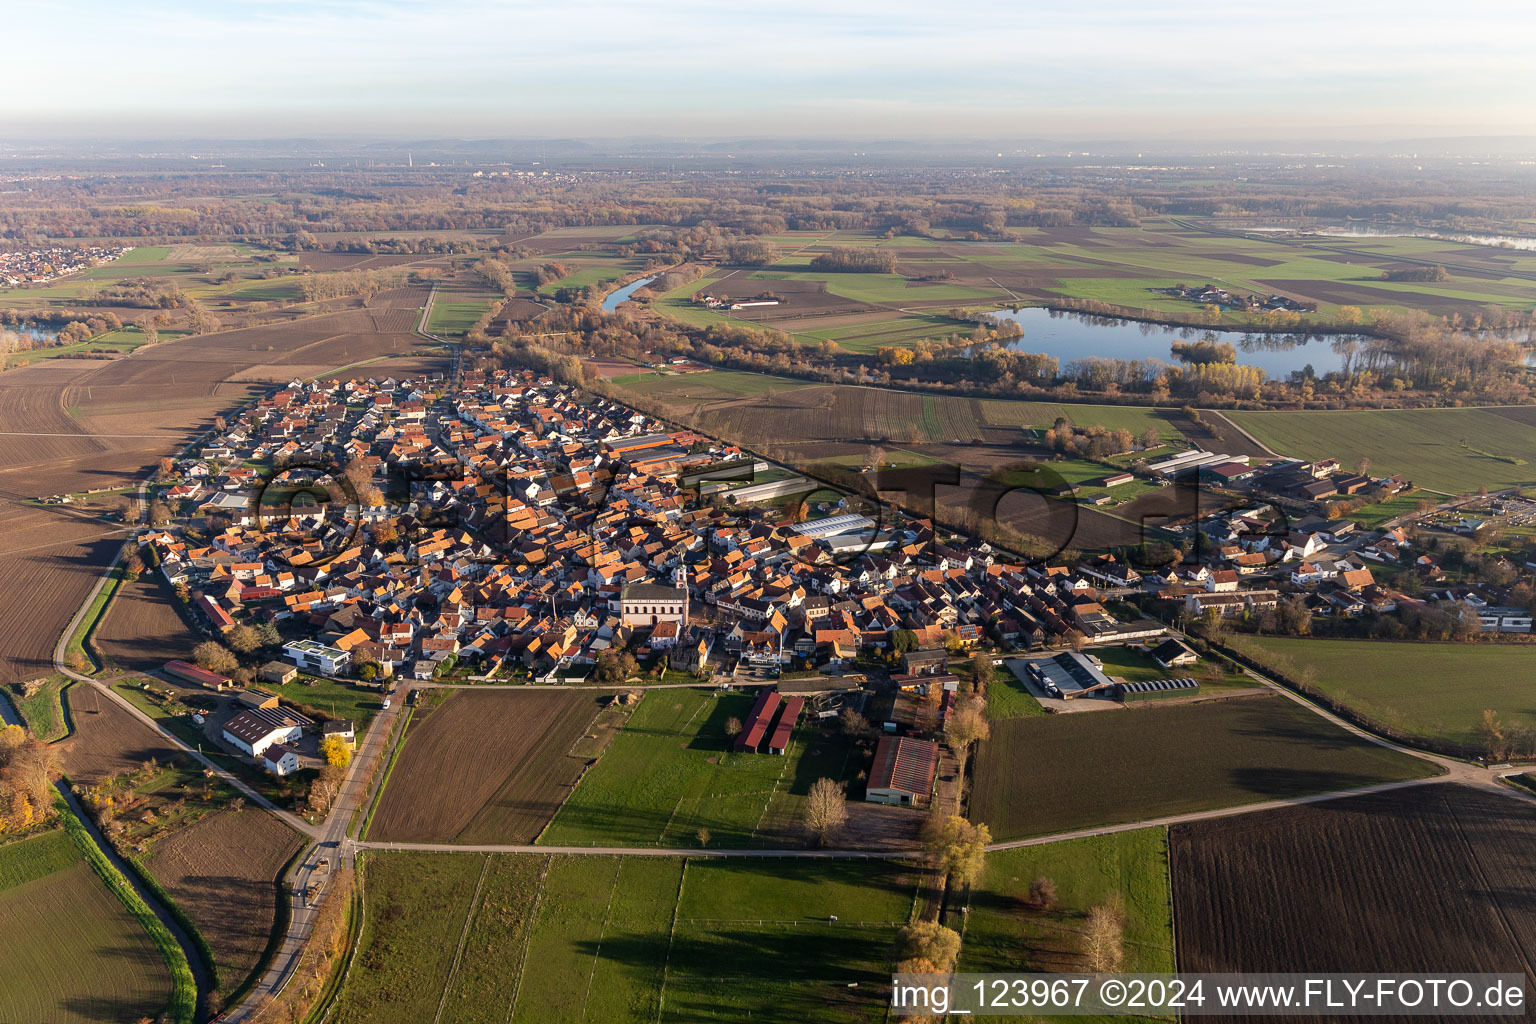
(1434, 691)
(1454, 451)
(669, 773)
(143, 629)
(485, 766)
(1005, 932)
(1424, 879)
(223, 873)
(1038, 776)
(1123, 266)
(107, 740)
(50, 558)
(72, 953)
(481, 938)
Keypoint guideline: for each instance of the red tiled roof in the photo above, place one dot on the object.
(905, 764)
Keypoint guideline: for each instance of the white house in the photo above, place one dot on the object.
(317, 657)
(280, 759)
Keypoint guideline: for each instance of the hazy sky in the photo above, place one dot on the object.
(1342, 68)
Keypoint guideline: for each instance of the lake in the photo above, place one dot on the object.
(1069, 336)
(611, 303)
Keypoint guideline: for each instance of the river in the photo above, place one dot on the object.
(611, 303)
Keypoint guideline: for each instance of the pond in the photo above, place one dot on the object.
(32, 331)
(611, 303)
(1068, 336)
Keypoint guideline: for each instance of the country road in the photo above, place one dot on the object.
(332, 845)
(331, 841)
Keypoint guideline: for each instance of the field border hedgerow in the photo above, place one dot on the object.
(182, 1006)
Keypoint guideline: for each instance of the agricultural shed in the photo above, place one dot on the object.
(757, 721)
(189, 673)
(903, 772)
(779, 742)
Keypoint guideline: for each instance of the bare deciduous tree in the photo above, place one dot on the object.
(1104, 939)
(826, 808)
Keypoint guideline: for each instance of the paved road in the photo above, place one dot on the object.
(331, 845)
(638, 851)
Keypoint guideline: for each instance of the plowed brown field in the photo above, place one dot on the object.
(107, 740)
(142, 629)
(1434, 878)
(223, 872)
(485, 766)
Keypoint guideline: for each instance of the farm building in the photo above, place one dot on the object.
(925, 663)
(1157, 687)
(646, 604)
(253, 699)
(217, 617)
(189, 673)
(758, 719)
(1069, 674)
(636, 443)
(252, 732)
(903, 772)
(1173, 652)
(834, 525)
(778, 743)
(279, 673)
(815, 686)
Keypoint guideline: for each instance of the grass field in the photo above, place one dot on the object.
(332, 699)
(1005, 933)
(1374, 515)
(1453, 451)
(712, 384)
(120, 342)
(457, 307)
(668, 773)
(44, 710)
(591, 272)
(71, 951)
(480, 938)
(1038, 776)
(1437, 691)
(1135, 667)
(1009, 698)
